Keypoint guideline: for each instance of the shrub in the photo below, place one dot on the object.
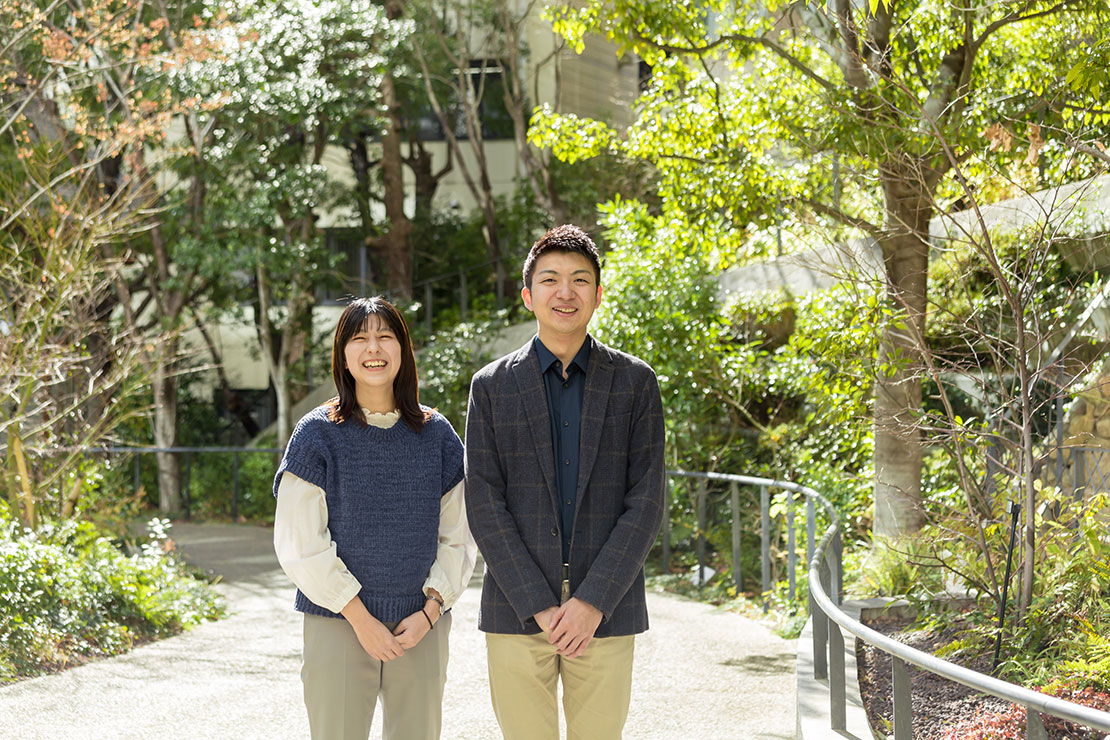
(212, 486)
(1010, 724)
(67, 594)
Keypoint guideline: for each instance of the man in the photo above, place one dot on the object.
(565, 495)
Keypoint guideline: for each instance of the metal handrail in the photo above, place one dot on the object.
(812, 498)
(1033, 701)
(825, 579)
(187, 451)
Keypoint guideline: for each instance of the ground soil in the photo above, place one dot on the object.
(937, 702)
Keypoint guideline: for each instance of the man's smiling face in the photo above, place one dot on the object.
(564, 293)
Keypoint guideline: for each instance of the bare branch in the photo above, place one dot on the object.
(1098, 154)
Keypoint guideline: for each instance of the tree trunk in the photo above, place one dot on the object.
(361, 165)
(537, 165)
(165, 435)
(27, 509)
(275, 357)
(284, 404)
(233, 402)
(394, 244)
(898, 449)
(426, 179)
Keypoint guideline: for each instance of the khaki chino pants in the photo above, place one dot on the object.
(524, 671)
(342, 683)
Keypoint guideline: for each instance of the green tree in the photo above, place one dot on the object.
(290, 79)
(844, 115)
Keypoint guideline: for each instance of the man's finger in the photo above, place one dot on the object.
(556, 634)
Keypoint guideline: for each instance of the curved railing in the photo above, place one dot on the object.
(828, 611)
(825, 560)
(766, 485)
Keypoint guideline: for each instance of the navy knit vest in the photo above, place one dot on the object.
(383, 490)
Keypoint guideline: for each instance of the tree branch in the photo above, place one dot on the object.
(1092, 151)
(842, 217)
(739, 39)
(878, 40)
(1018, 17)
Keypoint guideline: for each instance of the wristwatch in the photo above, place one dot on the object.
(438, 600)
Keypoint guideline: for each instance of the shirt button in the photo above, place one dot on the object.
(566, 462)
(554, 532)
(568, 502)
(566, 423)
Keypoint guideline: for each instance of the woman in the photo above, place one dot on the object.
(371, 527)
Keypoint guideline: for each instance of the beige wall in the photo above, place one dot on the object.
(595, 84)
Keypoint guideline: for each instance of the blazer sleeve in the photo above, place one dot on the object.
(508, 559)
(621, 558)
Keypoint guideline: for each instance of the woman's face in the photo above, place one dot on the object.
(373, 356)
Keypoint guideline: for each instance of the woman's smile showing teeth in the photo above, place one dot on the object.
(373, 357)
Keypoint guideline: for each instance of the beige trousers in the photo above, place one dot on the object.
(524, 671)
(342, 683)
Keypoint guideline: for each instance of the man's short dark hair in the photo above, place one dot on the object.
(565, 238)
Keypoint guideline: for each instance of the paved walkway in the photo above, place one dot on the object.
(700, 673)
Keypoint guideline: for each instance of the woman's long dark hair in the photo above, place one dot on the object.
(406, 389)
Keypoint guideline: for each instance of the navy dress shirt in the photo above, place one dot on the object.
(564, 406)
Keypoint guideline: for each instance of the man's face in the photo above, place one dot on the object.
(564, 293)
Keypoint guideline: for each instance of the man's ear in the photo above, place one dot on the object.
(598, 300)
(527, 296)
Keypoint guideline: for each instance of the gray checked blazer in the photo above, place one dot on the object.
(511, 500)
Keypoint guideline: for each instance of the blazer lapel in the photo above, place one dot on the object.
(599, 378)
(533, 399)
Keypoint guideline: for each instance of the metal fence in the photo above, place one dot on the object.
(1079, 469)
(828, 657)
(825, 574)
(188, 456)
(770, 490)
(826, 558)
(428, 288)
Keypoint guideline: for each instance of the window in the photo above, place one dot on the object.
(354, 271)
(487, 80)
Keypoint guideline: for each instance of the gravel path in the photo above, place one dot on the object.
(700, 673)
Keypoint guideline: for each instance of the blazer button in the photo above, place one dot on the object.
(554, 532)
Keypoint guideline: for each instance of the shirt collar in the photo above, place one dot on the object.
(547, 357)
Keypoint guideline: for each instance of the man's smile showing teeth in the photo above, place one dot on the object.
(559, 309)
